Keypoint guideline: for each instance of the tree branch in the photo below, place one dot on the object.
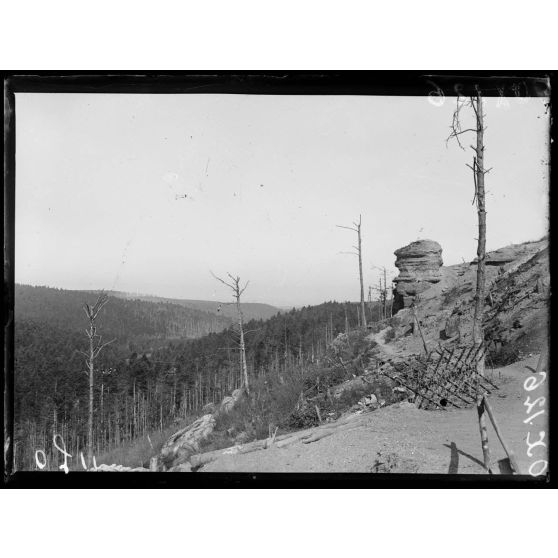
(348, 228)
(221, 280)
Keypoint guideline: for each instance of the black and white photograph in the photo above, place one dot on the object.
(278, 274)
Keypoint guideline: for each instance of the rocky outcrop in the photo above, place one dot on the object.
(186, 442)
(419, 267)
(182, 445)
(499, 257)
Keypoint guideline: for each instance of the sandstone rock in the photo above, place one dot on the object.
(186, 442)
(419, 267)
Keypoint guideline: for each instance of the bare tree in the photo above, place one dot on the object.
(95, 347)
(383, 311)
(358, 252)
(234, 285)
(475, 102)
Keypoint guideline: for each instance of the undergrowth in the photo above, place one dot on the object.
(296, 396)
(138, 452)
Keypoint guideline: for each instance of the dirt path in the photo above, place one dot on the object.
(379, 339)
(409, 440)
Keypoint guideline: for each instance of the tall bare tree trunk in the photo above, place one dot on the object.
(478, 331)
(362, 306)
(242, 347)
(237, 293)
(385, 294)
(358, 252)
(91, 366)
(95, 347)
(478, 173)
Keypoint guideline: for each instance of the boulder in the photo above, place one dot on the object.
(419, 268)
(186, 442)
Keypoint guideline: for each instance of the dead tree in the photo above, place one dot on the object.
(475, 102)
(95, 347)
(385, 295)
(383, 310)
(234, 285)
(358, 252)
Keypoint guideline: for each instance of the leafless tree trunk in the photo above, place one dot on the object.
(478, 332)
(475, 102)
(234, 285)
(385, 294)
(95, 347)
(358, 252)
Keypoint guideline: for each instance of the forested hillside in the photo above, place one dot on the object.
(137, 391)
(137, 324)
(250, 310)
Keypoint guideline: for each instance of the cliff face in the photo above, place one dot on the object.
(419, 266)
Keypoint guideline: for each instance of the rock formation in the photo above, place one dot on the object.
(182, 445)
(419, 267)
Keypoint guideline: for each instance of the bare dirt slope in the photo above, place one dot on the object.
(404, 439)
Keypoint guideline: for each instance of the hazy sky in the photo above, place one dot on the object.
(100, 180)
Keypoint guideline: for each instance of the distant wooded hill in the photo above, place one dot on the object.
(138, 322)
(250, 310)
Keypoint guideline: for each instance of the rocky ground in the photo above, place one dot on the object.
(403, 439)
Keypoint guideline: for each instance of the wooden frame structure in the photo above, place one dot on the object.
(445, 377)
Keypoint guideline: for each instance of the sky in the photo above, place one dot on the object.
(150, 193)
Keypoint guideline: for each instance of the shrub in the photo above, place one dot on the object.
(390, 335)
(301, 418)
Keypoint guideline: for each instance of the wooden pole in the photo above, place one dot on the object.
(509, 452)
(420, 330)
(483, 433)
